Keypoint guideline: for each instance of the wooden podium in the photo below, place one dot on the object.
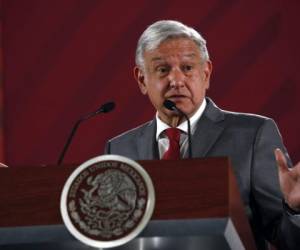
(197, 203)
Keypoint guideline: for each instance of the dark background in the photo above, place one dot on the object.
(63, 58)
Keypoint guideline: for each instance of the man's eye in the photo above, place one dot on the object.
(187, 68)
(162, 70)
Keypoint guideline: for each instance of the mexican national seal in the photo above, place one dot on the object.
(107, 201)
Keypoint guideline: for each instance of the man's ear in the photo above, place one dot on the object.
(140, 78)
(207, 72)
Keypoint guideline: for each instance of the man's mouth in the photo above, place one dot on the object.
(175, 98)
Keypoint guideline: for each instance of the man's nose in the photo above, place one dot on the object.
(176, 78)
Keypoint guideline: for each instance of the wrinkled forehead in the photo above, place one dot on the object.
(179, 48)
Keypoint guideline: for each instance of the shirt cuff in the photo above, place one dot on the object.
(293, 215)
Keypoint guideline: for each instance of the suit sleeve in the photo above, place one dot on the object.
(276, 224)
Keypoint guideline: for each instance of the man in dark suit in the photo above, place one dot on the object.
(172, 63)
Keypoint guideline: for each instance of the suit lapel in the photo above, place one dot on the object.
(146, 143)
(208, 130)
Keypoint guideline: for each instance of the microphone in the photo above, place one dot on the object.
(105, 108)
(172, 106)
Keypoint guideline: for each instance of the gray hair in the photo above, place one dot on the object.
(160, 31)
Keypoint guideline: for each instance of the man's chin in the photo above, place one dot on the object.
(184, 108)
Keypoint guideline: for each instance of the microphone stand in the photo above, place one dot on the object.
(105, 108)
(74, 129)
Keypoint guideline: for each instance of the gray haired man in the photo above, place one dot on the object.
(172, 63)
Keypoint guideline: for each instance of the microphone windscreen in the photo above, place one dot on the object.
(107, 107)
(169, 105)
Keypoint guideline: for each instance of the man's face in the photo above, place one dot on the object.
(174, 71)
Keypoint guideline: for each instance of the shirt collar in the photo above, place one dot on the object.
(161, 126)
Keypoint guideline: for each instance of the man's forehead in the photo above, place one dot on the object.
(163, 57)
(179, 47)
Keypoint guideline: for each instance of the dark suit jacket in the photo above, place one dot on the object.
(249, 141)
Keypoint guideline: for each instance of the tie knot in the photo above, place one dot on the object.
(173, 134)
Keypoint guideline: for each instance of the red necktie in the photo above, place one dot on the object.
(173, 152)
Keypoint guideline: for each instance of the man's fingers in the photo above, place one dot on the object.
(3, 165)
(281, 160)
